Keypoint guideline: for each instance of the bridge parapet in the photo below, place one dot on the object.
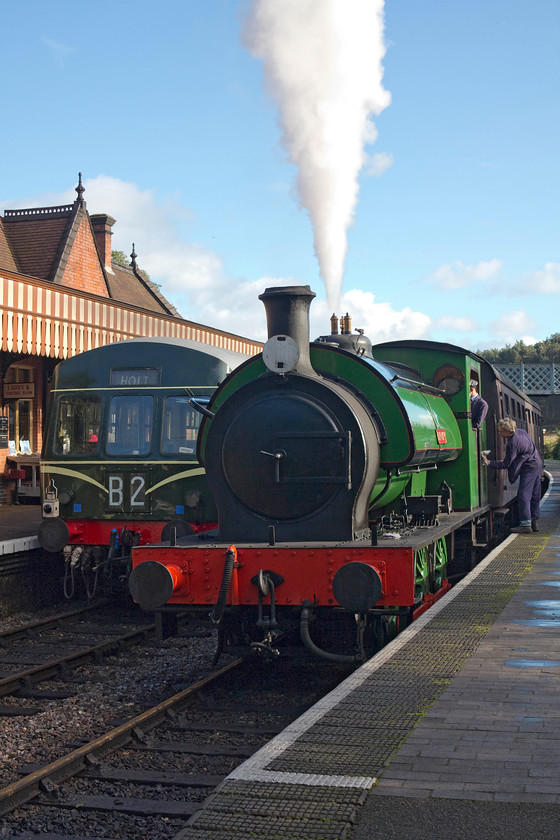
(534, 378)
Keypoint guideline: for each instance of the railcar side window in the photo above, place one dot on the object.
(129, 428)
(77, 425)
(180, 427)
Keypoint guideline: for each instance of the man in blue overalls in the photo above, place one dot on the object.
(522, 461)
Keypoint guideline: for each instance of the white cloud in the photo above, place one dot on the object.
(237, 308)
(546, 281)
(511, 326)
(370, 132)
(158, 230)
(377, 164)
(456, 323)
(379, 321)
(457, 275)
(195, 279)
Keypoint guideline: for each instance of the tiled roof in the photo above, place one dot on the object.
(7, 259)
(156, 291)
(130, 287)
(37, 237)
(42, 243)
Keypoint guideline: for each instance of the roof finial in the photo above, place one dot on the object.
(133, 256)
(80, 189)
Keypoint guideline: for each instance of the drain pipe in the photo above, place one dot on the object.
(317, 651)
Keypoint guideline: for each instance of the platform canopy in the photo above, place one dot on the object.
(40, 319)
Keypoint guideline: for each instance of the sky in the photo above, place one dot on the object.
(399, 157)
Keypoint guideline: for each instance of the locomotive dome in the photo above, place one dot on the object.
(358, 343)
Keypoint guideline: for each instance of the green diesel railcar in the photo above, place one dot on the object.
(119, 465)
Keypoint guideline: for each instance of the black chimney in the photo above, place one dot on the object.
(287, 313)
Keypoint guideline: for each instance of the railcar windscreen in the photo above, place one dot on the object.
(180, 427)
(77, 425)
(129, 430)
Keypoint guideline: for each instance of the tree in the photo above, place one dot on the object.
(120, 257)
(542, 352)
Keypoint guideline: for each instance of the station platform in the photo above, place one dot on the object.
(18, 528)
(452, 730)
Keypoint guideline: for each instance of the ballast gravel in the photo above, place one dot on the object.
(106, 695)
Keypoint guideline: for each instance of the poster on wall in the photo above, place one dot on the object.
(3, 432)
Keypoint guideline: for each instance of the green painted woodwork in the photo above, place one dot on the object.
(468, 481)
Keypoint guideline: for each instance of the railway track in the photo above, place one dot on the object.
(53, 647)
(147, 776)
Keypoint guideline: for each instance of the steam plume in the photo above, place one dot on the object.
(322, 63)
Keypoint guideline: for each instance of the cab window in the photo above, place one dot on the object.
(180, 426)
(129, 427)
(77, 425)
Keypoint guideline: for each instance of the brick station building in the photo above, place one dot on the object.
(62, 294)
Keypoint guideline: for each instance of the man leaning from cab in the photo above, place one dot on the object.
(479, 407)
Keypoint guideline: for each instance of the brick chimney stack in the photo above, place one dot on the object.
(102, 224)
